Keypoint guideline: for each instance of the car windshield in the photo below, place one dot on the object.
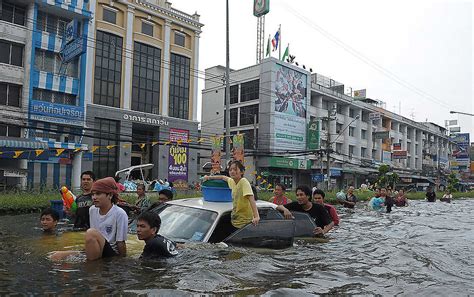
(181, 223)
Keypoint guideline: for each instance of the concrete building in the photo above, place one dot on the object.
(277, 101)
(42, 76)
(142, 87)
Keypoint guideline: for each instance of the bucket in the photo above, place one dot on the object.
(57, 205)
(214, 194)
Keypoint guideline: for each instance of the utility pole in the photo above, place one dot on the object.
(227, 89)
(255, 132)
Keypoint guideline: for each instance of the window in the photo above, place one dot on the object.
(351, 150)
(108, 69)
(13, 13)
(374, 154)
(351, 131)
(234, 94)
(106, 160)
(363, 134)
(351, 113)
(247, 114)
(11, 53)
(363, 152)
(10, 130)
(146, 78)
(109, 15)
(365, 116)
(147, 29)
(233, 117)
(179, 86)
(52, 24)
(179, 39)
(51, 62)
(10, 94)
(338, 128)
(54, 97)
(325, 105)
(338, 148)
(249, 90)
(340, 109)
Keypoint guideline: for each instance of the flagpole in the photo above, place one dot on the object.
(279, 43)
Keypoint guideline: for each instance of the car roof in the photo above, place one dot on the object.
(218, 207)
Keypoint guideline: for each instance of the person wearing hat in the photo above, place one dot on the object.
(108, 222)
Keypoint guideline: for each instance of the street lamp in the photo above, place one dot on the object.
(464, 113)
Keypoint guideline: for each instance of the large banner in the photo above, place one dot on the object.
(178, 157)
(216, 143)
(461, 152)
(289, 106)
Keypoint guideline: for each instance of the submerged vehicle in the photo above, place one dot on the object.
(198, 220)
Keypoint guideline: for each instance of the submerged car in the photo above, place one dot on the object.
(198, 220)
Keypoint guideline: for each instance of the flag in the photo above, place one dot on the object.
(59, 151)
(286, 53)
(268, 46)
(276, 40)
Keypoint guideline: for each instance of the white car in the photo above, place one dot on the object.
(197, 220)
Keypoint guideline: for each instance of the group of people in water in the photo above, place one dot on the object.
(102, 214)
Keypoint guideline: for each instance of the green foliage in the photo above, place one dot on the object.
(386, 177)
(453, 182)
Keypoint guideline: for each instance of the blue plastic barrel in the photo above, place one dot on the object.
(57, 205)
(214, 194)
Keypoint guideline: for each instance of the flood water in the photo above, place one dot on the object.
(423, 249)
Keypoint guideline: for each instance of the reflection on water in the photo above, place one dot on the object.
(422, 249)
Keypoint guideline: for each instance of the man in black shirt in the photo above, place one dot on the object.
(156, 246)
(316, 211)
(430, 195)
(84, 201)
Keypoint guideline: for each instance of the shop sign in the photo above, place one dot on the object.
(397, 146)
(145, 120)
(335, 172)
(318, 177)
(74, 48)
(406, 180)
(381, 134)
(398, 155)
(261, 7)
(178, 157)
(281, 162)
(313, 135)
(13, 173)
(56, 113)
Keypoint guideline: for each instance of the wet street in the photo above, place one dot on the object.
(424, 249)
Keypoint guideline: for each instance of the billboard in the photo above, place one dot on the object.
(462, 151)
(289, 99)
(261, 7)
(178, 157)
(313, 135)
(399, 155)
(360, 94)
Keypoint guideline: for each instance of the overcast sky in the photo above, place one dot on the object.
(416, 53)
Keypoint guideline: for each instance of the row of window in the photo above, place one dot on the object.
(54, 97)
(10, 94)
(248, 91)
(51, 23)
(10, 130)
(105, 160)
(12, 13)
(60, 133)
(247, 115)
(110, 16)
(11, 53)
(52, 62)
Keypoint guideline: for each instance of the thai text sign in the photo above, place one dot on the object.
(397, 146)
(398, 155)
(313, 135)
(382, 135)
(56, 113)
(178, 156)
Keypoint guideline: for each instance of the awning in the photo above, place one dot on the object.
(67, 145)
(29, 144)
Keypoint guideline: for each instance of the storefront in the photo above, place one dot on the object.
(124, 138)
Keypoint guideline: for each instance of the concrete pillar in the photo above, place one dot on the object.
(195, 76)
(76, 171)
(90, 56)
(378, 154)
(127, 82)
(370, 144)
(166, 70)
(30, 15)
(419, 152)
(358, 133)
(347, 120)
(404, 135)
(412, 148)
(319, 107)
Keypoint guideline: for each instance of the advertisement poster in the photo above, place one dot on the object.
(462, 150)
(216, 143)
(289, 107)
(313, 135)
(178, 158)
(238, 147)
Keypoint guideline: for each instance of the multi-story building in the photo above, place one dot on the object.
(42, 80)
(274, 103)
(142, 87)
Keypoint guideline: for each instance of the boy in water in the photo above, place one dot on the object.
(49, 220)
(156, 246)
(244, 209)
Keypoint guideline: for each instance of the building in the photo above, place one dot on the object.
(42, 81)
(275, 103)
(142, 88)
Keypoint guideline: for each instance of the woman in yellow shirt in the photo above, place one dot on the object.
(244, 210)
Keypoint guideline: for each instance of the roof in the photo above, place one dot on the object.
(218, 207)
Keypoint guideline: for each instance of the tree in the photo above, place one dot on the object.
(387, 177)
(453, 182)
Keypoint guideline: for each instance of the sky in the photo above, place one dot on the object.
(417, 56)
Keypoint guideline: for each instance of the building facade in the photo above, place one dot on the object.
(275, 104)
(42, 83)
(142, 88)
